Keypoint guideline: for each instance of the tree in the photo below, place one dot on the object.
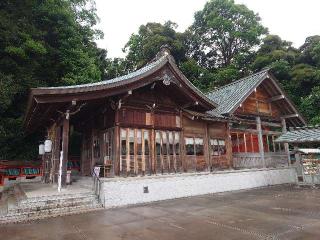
(42, 43)
(224, 31)
(310, 51)
(144, 45)
(310, 105)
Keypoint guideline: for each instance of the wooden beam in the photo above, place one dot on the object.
(290, 116)
(276, 98)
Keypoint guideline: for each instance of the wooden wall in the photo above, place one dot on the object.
(258, 103)
(207, 131)
(220, 130)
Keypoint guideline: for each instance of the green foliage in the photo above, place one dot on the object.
(51, 43)
(198, 75)
(298, 70)
(42, 43)
(144, 45)
(224, 30)
(310, 105)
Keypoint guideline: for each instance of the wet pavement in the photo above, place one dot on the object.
(282, 212)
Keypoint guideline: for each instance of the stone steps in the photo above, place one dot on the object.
(51, 206)
(45, 206)
(49, 213)
(54, 199)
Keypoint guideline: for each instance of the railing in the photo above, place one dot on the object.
(253, 160)
(13, 172)
(97, 186)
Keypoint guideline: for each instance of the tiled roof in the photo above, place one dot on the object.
(230, 96)
(163, 57)
(128, 76)
(301, 135)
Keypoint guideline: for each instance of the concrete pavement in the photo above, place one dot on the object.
(281, 212)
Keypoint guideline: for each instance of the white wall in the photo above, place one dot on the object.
(120, 192)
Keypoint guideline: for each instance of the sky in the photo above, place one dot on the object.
(292, 20)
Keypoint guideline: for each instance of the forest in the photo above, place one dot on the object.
(52, 43)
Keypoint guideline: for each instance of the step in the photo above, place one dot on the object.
(53, 205)
(48, 210)
(48, 214)
(64, 197)
(45, 201)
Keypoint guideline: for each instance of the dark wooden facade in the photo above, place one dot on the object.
(154, 121)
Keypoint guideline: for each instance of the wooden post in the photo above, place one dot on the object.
(128, 152)
(286, 145)
(116, 150)
(135, 153)
(143, 158)
(152, 152)
(206, 146)
(65, 146)
(182, 145)
(229, 146)
(116, 145)
(260, 141)
(153, 144)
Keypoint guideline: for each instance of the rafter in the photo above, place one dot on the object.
(290, 116)
(276, 98)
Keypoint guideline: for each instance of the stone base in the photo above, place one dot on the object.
(118, 192)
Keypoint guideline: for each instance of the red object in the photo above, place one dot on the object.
(12, 170)
(1, 180)
(255, 143)
(74, 163)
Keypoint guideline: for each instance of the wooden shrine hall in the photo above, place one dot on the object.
(155, 121)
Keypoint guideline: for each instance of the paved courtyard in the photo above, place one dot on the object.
(282, 212)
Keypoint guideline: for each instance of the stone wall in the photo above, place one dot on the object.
(128, 191)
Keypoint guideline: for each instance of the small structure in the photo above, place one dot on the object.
(306, 160)
(155, 123)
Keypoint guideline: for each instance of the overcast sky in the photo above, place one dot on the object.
(292, 20)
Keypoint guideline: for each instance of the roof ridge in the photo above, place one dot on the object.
(239, 80)
(119, 78)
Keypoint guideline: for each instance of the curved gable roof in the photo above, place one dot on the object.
(134, 80)
(134, 77)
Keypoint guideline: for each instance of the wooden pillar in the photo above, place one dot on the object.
(152, 152)
(182, 145)
(116, 149)
(116, 145)
(260, 141)
(55, 154)
(65, 148)
(229, 146)
(286, 145)
(207, 147)
(135, 153)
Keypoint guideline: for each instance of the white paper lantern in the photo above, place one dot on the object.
(41, 149)
(47, 145)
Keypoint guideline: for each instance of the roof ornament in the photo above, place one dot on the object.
(164, 51)
(166, 80)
